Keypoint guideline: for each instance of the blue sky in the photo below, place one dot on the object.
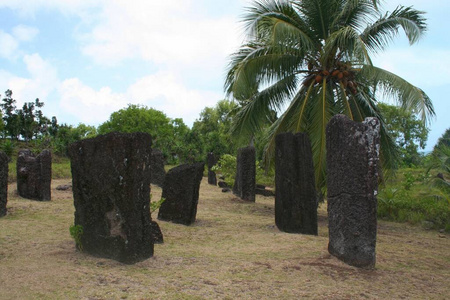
(87, 59)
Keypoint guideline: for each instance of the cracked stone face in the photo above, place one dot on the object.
(352, 179)
(111, 188)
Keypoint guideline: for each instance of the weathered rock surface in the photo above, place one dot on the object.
(156, 232)
(3, 183)
(157, 168)
(223, 184)
(34, 175)
(181, 191)
(212, 161)
(245, 180)
(111, 189)
(295, 192)
(352, 177)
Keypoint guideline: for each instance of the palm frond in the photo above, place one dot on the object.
(381, 33)
(407, 95)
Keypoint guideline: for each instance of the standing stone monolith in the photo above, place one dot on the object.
(181, 191)
(245, 180)
(34, 175)
(295, 192)
(111, 190)
(157, 168)
(352, 177)
(3, 183)
(212, 161)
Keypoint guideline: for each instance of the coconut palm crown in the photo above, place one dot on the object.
(311, 59)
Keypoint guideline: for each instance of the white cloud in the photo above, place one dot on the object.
(163, 32)
(25, 33)
(163, 91)
(8, 45)
(86, 104)
(42, 81)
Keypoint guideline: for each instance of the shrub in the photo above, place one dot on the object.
(226, 166)
(76, 231)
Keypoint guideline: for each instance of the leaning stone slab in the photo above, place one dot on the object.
(352, 178)
(157, 168)
(3, 183)
(111, 189)
(181, 191)
(245, 180)
(295, 193)
(34, 175)
(212, 161)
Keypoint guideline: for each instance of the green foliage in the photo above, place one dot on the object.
(76, 232)
(167, 135)
(264, 177)
(8, 147)
(211, 132)
(156, 205)
(226, 166)
(64, 135)
(27, 122)
(408, 131)
(410, 198)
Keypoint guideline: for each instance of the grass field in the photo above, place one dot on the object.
(233, 251)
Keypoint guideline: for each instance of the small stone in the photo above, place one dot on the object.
(64, 187)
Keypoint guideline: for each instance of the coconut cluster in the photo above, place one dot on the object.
(342, 73)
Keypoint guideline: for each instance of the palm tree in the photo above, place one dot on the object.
(311, 59)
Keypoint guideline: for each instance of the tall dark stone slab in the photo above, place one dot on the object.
(352, 178)
(111, 189)
(245, 180)
(3, 183)
(157, 168)
(34, 175)
(295, 193)
(212, 161)
(181, 190)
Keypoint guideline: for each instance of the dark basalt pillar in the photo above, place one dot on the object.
(352, 178)
(245, 180)
(157, 168)
(212, 160)
(181, 191)
(3, 183)
(34, 175)
(295, 193)
(111, 189)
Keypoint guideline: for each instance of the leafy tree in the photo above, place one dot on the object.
(407, 130)
(313, 57)
(10, 116)
(166, 133)
(67, 134)
(212, 129)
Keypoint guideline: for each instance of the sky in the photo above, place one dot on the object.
(88, 58)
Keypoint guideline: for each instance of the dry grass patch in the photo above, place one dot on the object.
(233, 251)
